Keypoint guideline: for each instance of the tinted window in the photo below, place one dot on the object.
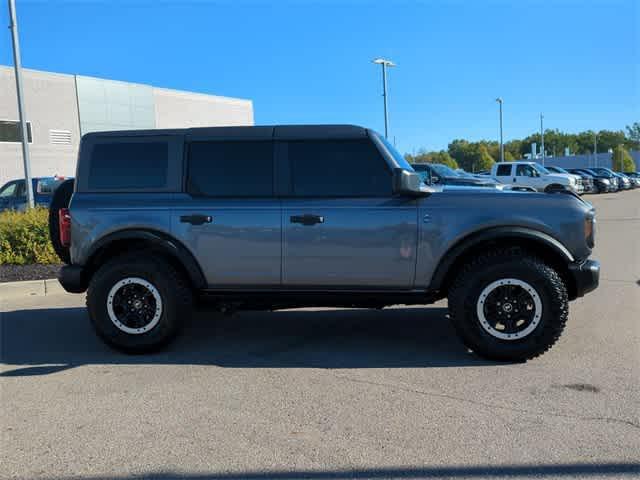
(338, 168)
(503, 170)
(231, 169)
(129, 165)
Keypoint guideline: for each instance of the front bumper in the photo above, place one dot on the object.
(586, 277)
(72, 278)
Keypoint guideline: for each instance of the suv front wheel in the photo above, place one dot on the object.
(138, 304)
(508, 305)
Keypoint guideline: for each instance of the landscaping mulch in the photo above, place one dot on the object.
(17, 273)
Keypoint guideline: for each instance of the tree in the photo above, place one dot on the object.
(633, 132)
(508, 156)
(462, 152)
(432, 157)
(482, 160)
(622, 161)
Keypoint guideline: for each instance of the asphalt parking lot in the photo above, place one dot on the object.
(326, 394)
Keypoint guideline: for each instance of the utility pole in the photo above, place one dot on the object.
(13, 25)
(542, 139)
(499, 100)
(385, 63)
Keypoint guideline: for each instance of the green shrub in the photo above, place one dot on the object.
(24, 237)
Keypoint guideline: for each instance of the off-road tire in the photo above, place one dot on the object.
(500, 264)
(61, 199)
(172, 286)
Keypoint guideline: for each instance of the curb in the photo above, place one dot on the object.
(30, 288)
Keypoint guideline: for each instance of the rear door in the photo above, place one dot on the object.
(342, 227)
(230, 218)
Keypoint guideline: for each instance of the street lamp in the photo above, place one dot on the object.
(499, 100)
(542, 137)
(385, 63)
(17, 65)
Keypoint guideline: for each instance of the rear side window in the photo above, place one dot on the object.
(129, 165)
(338, 168)
(503, 170)
(231, 169)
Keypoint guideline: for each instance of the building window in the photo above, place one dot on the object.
(10, 131)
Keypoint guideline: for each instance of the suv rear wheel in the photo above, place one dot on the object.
(508, 305)
(138, 304)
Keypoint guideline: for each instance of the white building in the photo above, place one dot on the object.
(61, 108)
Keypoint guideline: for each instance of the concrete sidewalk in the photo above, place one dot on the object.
(30, 288)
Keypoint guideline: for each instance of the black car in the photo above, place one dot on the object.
(602, 180)
(587, 180)
(438, 174)
(591, 183)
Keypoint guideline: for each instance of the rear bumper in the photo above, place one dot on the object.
(586, 276)
(72, 278)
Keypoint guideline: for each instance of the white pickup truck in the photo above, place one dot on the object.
(532, 174)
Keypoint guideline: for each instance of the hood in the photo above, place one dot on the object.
(560, 176)
(472, 182)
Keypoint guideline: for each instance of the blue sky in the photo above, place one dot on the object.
(309, 62)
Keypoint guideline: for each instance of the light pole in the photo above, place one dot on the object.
(595, 149)
(542, 137)
(13, 26)
(385, 63)
(499, 100)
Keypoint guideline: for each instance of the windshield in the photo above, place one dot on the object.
(540, 169)
(557, 170)
(444, 171)
(400, 160)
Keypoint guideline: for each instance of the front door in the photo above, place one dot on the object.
(527, 175)
(342, 227)
(230, 218)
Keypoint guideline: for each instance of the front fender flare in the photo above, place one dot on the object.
(489, 234)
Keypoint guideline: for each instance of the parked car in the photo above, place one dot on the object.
(626, 182)
(438, 174)
(587, 180)
(330, 216)
(604, 174)
(13, 194)
(599, 184)
(635, 176)
(532, 174)
(621, 184)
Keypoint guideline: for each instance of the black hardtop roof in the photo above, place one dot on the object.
(281, 132)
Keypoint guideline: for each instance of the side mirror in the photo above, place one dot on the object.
(435, 179)
(407, 183)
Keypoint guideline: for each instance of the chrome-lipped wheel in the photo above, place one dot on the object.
(134, 305)
(509, 309)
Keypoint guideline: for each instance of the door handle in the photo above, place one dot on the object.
(307, 219)
(196, 219)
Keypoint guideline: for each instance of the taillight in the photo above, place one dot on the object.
(64, 224)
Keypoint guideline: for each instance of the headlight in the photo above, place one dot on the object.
(572, 181)
(605, 181)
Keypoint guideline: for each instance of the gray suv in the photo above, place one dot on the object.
(297, 216)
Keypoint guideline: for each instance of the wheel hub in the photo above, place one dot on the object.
(134, 305)
(509, 309)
